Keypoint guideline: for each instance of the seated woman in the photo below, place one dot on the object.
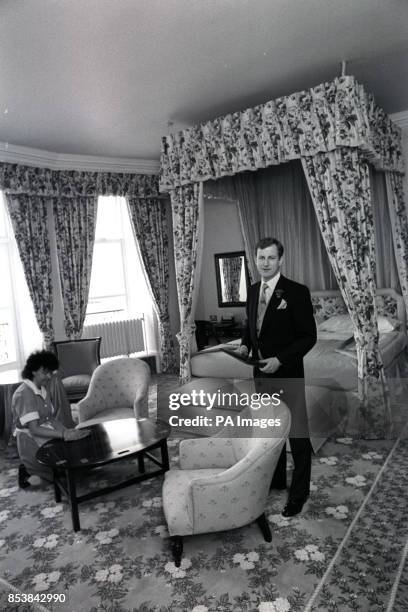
(35, 416)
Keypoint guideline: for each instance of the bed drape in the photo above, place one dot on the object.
(339, 183)
(399, 224)
(187, 220)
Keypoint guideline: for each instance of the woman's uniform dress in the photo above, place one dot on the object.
(32, 404)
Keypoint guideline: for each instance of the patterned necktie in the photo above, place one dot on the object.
(262, 304)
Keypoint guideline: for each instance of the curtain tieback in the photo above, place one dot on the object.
(184, 336)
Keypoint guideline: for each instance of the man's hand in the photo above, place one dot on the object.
(70, 435)
(271, 365)
(242, 350)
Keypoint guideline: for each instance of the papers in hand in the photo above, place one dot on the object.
(233, 352)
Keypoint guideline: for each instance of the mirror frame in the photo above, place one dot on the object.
(217, 258)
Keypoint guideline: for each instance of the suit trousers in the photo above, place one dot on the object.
(300, 446)
(299, 489)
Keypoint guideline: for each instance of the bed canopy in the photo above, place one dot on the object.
(337, 131)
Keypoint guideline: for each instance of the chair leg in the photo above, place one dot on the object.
(176, 543)
(23, 476)
(264, 527)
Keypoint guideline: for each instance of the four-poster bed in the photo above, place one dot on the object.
(336, 131)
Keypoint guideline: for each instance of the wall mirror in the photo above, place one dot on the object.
(232, 278)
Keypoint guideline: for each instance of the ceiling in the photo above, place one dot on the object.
(105, 77)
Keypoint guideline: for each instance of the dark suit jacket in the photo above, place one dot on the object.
(287, 333)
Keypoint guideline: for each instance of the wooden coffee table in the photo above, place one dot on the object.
(108, 442)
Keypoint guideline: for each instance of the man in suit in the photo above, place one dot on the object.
(280, 330)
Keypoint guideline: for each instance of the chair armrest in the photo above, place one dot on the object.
(140, 404)
(87, 408)
(205, 453)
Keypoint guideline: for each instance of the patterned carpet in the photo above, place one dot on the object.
(344, 552)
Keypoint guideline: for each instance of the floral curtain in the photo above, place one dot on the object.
(231, 268)
(186, 204)
(29, 192)
(74, 222)
(335, 114)
(129, 185)
(339, 184)
(399, 225)
(149, 223)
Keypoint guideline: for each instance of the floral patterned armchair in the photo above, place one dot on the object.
(223, 482)
(118, 390)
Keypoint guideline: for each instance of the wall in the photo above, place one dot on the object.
(222, 233)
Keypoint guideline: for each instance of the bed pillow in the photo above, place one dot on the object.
(386, 324)
(342, 324)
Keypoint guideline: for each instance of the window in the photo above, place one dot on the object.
(19, 333)
(118, 289)
(107, 293)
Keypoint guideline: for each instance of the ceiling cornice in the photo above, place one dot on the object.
(58, 161)
(401, 119)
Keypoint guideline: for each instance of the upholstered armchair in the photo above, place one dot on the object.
(118, 390)
(223, 482)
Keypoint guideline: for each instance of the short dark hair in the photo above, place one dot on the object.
(40, 359)
(263, 243)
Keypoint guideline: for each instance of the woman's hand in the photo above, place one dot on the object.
(70, 435)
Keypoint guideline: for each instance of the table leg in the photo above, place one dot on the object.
(73, 499)
(140, 461)
(165, 456)
(57, 490)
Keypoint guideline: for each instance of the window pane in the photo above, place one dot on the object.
(108, 220)
(107, 276)
(7, 344)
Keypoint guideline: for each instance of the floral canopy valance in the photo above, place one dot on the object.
(320, 119)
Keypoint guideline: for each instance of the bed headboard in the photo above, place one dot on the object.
(330, 302)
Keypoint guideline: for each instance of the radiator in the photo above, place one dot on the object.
(118, 337)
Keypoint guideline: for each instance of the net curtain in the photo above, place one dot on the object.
(336, 130)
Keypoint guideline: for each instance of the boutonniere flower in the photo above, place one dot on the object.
(282, 305)
(279, 293)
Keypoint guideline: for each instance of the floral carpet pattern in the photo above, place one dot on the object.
(120, 561)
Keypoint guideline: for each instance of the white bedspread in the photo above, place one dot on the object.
(329, 364)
